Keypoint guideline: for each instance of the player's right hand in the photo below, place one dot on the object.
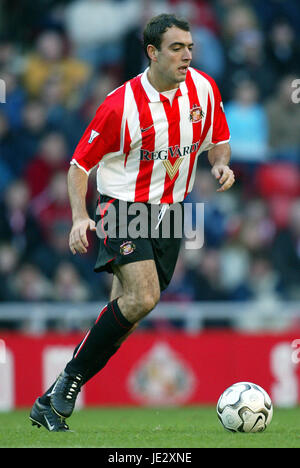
(78, 241)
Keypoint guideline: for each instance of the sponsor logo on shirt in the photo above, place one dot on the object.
(171, 157)
(168, 153)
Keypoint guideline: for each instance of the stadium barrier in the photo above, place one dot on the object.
(37, 317)
(162, 366)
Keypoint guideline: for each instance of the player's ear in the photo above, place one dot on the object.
(152, 52)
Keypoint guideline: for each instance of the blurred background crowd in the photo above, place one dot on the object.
(60, 58)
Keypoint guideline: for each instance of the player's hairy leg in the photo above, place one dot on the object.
(116, 288)
(141, 290)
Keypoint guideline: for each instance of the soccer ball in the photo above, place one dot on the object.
(245, 407)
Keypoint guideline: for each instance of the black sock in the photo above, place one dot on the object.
(109, 327)
(117, 325)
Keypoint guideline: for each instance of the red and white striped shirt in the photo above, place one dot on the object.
(145, 147)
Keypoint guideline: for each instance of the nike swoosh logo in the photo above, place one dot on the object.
(53, 389)
(50, 427)
(146, 129)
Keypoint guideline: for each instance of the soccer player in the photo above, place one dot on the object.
(145, 139)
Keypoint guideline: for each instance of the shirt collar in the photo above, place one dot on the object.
(154, 95)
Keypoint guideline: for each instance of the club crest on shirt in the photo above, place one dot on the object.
(127, 248)
(196, 114)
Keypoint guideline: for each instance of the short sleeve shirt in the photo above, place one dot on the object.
(145, 146)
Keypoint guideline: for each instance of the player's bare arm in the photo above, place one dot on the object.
(77, 187)
(219, 157)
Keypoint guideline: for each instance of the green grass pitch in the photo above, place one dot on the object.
(180, 427)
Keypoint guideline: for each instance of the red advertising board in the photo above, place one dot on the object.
(156, 368)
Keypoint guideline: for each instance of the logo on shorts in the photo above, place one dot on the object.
(196, 113)
(127, 248)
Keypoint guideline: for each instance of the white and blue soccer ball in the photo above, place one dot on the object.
(245, 407)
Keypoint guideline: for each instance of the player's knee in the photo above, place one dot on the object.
(149, 301)
(140, 304)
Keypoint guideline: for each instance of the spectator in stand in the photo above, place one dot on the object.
(19, 146)
(34, 127)
(181, 288)
(60, 117)
(257, 230)
(101, 85)
(99, 44)
(282, 49)
(284, 122)
(6, 176)
(68, 286)
(286, 253)
(254, 233)
(50, 59)
(243, 40)
(9, 54)
(263, 282)
(207, 278)
(52, 211)
(53, 205)
(15, 98)
(30, 285)
(271, 12)
(51, 158)
(53, 248)
(247, 120)
(215, 219)
(213, 63)
(7, 151)
(17, 223)
(9, 262)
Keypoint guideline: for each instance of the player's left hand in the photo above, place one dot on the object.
(224, 175)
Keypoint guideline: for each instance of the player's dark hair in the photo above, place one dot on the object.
(158, 25)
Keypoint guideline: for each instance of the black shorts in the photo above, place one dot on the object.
(130, 232)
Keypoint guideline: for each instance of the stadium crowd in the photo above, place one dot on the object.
(59, 59)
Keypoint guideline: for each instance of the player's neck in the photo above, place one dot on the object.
(159, 82)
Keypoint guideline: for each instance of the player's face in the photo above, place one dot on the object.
(175, 55)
